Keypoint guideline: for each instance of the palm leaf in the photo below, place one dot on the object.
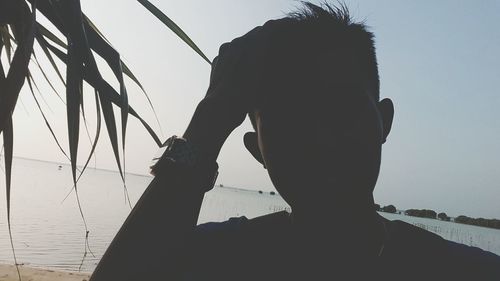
(49, 57)
(74, 81)
(101, 47)
(131, 75)
(19, 66)
(106, 91)
(11, 85)
(75, 46)
(47, 78)
(2, 72)
(112, 57)
(6, 37)
(45, 32)
(47, 123)
(96, 138)
(173, 26)
(8, 143)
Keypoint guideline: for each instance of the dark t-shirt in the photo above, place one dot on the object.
(261, 249)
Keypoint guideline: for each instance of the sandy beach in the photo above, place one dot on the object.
(9, 273)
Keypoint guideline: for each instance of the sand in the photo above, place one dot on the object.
(9, 273)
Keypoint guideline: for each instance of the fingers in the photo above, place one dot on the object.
(214, 64)
(277, 24)
(241, 63)
(224, 65)
(257, 36)
(223, 48)
(251, 35)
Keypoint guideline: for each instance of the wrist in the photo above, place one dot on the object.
(206, 145)
(207, 130)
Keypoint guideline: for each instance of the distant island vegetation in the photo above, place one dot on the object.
(430, 214)
(425, 213)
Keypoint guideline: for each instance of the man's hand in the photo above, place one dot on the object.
(220, 112)
(235, 79)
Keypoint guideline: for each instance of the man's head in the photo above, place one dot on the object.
(318, 118)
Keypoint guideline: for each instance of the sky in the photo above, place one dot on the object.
(438, 62)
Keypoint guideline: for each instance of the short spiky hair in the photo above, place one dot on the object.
(328, 26)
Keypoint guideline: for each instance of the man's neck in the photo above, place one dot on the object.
(360, 231)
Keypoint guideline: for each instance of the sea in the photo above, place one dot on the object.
(48, 230)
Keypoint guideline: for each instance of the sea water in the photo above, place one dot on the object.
(49, 231)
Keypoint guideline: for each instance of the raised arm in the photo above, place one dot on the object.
(149, 245)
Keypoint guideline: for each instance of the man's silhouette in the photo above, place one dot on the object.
(309, 83)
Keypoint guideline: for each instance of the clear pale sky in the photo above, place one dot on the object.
(438, 60)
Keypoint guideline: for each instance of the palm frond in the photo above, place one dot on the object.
(76, 44)
(173, 26)
(23, 28)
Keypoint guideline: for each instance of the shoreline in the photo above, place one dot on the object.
(8, 272)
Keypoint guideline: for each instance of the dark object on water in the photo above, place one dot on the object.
(60, 167)
(272, 193)
(260, 191)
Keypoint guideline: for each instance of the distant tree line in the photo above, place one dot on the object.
(424, 213)
(492, 223)
(443, 217)
(388, 209)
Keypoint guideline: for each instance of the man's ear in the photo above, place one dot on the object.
(252, 145)
(386, 109)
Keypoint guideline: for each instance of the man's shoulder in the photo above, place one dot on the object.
(224, 250)
(408, 243)
(401, 233)
(241, 232)
(409, 246)
(241, 226)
